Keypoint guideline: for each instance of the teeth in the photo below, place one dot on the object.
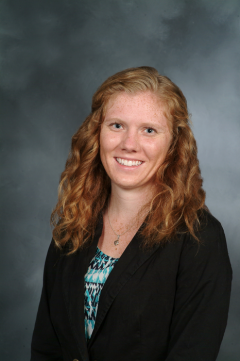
(128, 163)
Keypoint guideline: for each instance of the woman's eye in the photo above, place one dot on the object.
(150, 130)
(116, 126)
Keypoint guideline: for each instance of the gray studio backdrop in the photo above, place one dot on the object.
(54, 54)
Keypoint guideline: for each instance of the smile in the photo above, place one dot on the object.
(129, 163)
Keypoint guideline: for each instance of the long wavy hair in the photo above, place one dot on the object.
(85, 187)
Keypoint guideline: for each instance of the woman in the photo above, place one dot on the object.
(138, 269)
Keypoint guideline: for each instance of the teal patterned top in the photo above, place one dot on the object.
(98, 271)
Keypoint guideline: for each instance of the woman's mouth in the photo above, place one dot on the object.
(129, 163)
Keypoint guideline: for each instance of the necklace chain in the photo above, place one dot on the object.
(116, 242)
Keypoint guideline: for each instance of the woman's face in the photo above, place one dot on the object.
(134, 139)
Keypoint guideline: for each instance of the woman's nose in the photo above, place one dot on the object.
(130, 141)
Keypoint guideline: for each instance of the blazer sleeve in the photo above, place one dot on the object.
(202, 297)
(45, 345)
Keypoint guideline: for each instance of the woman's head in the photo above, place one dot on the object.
(144, 82)
(85, 184)
(134, 141)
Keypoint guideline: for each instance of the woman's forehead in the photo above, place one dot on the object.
(147, 100)
(143, 103)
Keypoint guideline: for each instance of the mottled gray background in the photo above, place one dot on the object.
(54, 54)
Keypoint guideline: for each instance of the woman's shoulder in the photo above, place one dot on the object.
(54, 252)
(54, 255)
(209, 227)
(211, 246)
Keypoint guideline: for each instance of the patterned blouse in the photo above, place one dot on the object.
(98, 271)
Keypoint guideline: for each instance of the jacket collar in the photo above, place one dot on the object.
(76, 267)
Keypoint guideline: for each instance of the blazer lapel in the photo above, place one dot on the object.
(75, 268)
(131, 259)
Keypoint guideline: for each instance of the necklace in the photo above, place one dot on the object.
(116, 242)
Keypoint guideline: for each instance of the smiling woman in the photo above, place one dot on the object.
(131, 155)
(126, 137)
(138, 95)
(138, 269)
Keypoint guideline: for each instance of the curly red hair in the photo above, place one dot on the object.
(85, 186)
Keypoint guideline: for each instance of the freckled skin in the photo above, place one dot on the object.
(134, 128)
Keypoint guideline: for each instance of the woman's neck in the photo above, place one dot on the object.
(125, 204)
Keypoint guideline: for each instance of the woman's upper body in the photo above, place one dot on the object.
(169, 303)
(132, 186)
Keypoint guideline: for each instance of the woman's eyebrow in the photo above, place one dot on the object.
(154, 125)
(114, 120)
(143, 124)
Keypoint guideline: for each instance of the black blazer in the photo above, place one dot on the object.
(169, 303)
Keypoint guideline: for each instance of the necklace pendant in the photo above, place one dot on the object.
(117, 241)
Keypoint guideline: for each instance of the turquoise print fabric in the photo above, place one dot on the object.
(98, 271)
